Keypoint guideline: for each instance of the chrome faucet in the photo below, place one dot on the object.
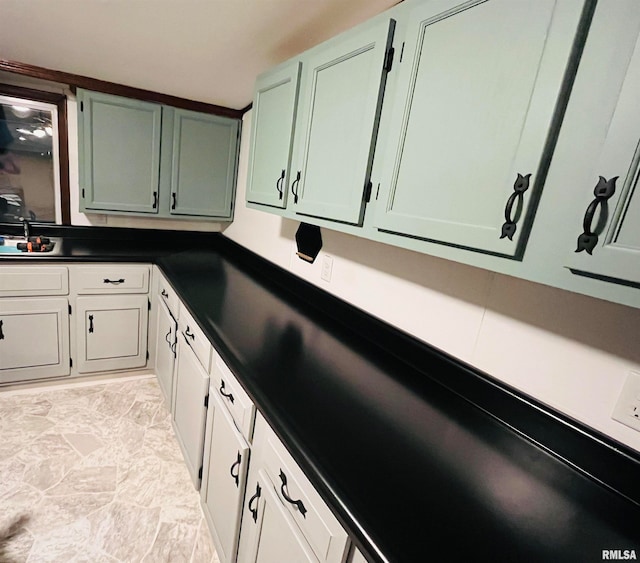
(25, 226)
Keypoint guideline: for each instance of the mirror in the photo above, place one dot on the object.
(31, 183)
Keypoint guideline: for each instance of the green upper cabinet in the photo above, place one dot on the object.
(607, 213)
(472, 119)
(274, 113)
(341, 92)
(119, 153)
(143, 158)
(204, 164)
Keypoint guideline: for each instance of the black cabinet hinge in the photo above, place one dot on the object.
(388, 63)
(149, 304)
(81, 106)
(200, 473)
(367, 192)
(206, 402)
(69, 308)
(147, 354)
(82, 192)
(70, 362)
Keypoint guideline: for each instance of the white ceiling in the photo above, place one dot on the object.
(205, 50)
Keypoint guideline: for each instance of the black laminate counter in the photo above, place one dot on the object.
(419, 456)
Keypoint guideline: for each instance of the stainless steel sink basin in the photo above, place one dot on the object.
(32, 246)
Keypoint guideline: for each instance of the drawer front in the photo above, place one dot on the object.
(317, 523)
(112, 278)
(168, 296)
(233, 396)
(195, 338)
(21, 281)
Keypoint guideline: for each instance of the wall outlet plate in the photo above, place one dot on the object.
(327, 267)
(627, 409)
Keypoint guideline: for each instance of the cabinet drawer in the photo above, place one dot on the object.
(113, 278)
(196, 339)
(319, 526)
(233, 396)
(168, 296)
(20, 281)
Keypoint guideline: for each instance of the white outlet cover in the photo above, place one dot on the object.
(627, 409)
(327, 267)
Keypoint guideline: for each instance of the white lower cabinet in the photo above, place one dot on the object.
(166, 342)
(189, 411)
(226, 461)
(111, 332)
(34, 338)
(284, 517)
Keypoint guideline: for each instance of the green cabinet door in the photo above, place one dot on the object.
(119, 143)
(607, 218)
(205, 152)
(477, 92)
(341, 91)
(274, 112)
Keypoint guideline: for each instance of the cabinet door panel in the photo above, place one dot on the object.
(340, 100)
(274, 111)
(165, 351)
(204, 164)
(224, 479)
(617, 220)
(34, 339)
(191, 385)
(477, 94)
(120, 153)
(274, 536)
(111, 332)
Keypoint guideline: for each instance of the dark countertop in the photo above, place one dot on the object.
(416, 453)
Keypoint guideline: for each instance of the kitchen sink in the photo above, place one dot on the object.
(28, 246)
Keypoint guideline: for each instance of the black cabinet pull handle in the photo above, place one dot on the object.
(295, 183)
(90, 323)
(283, 491)
(520, 186)
(234, 465)
(226, 395)
(155, 200)
(113, 282)
(173, 200)
(189, 333)
(279, 185)
(1, 333)
(254, 498)
(164, 294)
(603, 191)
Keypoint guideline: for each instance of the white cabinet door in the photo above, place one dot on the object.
(190, 392)
(166, 342)
(224, 478)
(111, 332)
(271, 534)
(34, 338)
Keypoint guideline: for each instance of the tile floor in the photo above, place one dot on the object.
(93, 473)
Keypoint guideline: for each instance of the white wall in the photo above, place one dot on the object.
(570, 351)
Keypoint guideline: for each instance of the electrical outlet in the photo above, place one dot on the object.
(627, 409)
(327, 267)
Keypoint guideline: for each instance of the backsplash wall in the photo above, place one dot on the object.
(567, 350)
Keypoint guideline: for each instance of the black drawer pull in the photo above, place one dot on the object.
(520, 186)
(295, 183)
(189, 333)
(174, 198)
(113, 282)
(1, 333)
(164, 294)
(279, 185)
(254, 498)
(236, 464)
(225, 395)
(603, 191)
(90, 323)
(283, 491)
(155, 200)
